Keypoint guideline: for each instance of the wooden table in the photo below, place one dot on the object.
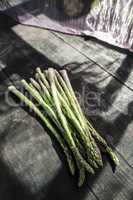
(31, 165)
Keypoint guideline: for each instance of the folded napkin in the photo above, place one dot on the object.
(108, 20)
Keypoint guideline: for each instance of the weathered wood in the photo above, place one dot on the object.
(24, 143)
(112, 91)
(109, 110)
(116, 63)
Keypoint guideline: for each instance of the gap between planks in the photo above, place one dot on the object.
(65, 39)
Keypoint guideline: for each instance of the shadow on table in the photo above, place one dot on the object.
(11, 188)
(18, 57)
(107, 45)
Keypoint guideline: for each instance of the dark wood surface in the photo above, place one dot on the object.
(31, 164)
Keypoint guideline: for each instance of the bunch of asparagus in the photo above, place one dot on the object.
(56, 105)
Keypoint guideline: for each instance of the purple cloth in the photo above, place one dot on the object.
(110, 21)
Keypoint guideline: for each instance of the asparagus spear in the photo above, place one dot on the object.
(104, 144)
(82, 170)
(72, 116)
(85, 140)
(71, 97)
(42, 84)
(44, 90)
(76, 107)
(68, 136)
(35, 84)
(35, 94)
(48, 124)
(94, 132)
(50, 112)
(50, 90)
(44, 80)
(32, 92)
(82, 174)
(61, 91)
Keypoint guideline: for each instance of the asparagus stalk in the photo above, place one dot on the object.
(86, 142)
(105, 148)
(74, 103)
(61, 91)
(72, 96)
(44, 91)
(82, 170)
(35, 94)
(68, 136)
(82, 173)
(78, 143)
(78, 138)
(42, 85)
(48, 124)
(81, 176)
(42, 76)
(95, 134)
(68, 90)
(35, 84)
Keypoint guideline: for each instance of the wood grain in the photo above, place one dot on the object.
(110, 109)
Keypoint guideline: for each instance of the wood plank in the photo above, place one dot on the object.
(25, 146)
(109, 86)
(111, 105)
(116, 63)
(111, 116)
(48, 45)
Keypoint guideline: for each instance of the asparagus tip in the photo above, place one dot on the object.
(31, 79)
(11, 88)
(51, 69)
(23, 81)
(37, 76)
(113, 156)
(51, 74)
(38, 69)
(63, 71)
(116, 160)
(81, 177)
